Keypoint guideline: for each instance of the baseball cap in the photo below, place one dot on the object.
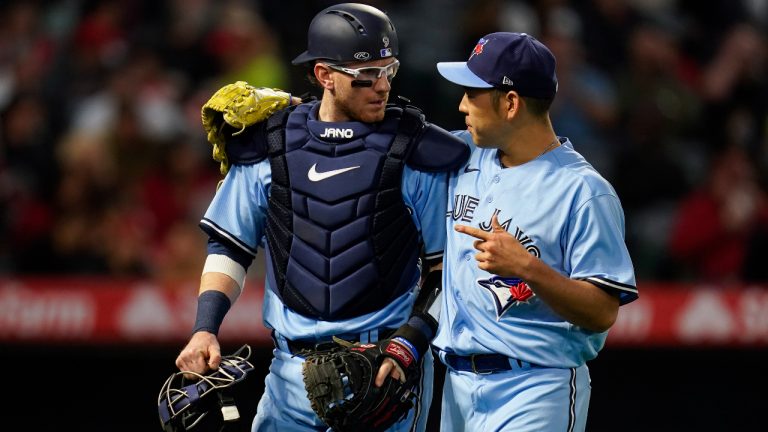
(508, 61)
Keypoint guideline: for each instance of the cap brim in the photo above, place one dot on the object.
(459, 73)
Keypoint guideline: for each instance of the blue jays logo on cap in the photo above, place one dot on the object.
(506, 292)
(479, 47)
(507, 61)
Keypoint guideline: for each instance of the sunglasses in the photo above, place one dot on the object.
(369, 73)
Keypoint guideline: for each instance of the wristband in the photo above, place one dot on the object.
(425, 324)
(417, 339)
(212, 306)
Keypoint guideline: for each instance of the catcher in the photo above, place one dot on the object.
(347, 195)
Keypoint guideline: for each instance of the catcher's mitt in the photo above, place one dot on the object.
(238, 105)
(340, 386)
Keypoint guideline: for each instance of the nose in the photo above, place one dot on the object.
(382, 84)
(463, 105)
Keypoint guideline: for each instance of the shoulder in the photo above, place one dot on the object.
(432, 148)
(577, 171)
(577, 175)
(252, 145)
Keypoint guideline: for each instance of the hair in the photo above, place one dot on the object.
(310, 73)
(536, 106)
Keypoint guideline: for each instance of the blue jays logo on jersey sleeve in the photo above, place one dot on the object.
(506, 292)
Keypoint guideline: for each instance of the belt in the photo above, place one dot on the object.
(296, 346)
(480, 363)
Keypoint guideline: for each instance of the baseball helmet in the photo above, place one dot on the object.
(349, 32)
(183, 402)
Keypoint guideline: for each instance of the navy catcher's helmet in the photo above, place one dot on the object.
(183, 403)
(349, 32)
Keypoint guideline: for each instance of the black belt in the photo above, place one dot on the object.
(296, 346)
(480, 363)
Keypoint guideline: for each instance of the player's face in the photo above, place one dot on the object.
(365, 103)
(484, 117)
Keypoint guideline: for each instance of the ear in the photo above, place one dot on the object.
(323, 76)
(513, 103)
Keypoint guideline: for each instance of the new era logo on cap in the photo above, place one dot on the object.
(509, 61)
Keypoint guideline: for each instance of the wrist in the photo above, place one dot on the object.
(408, 345)
(531, 269)
(212, 306)
(418, 332)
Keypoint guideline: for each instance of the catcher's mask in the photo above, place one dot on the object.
(183, 402)
(349, 32)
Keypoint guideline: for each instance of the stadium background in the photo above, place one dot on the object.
(104, 173)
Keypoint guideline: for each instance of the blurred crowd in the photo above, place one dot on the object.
(104, 168)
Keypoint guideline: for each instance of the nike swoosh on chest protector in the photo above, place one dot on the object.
(316, 176)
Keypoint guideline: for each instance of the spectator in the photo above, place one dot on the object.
(711, 238)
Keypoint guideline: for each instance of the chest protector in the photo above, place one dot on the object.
(340, 240)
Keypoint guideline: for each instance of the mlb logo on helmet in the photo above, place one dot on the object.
(509, 61)
(386, 51)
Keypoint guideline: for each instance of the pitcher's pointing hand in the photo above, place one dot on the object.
(500, 252)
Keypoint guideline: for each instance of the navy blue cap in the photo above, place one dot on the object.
(507, 61)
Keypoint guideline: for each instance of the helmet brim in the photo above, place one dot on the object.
(302, 58)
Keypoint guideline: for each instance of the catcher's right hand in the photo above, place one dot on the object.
(238, 105)
(341, 389)
(400, 356)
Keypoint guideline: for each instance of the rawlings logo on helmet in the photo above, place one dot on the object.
(362, 55)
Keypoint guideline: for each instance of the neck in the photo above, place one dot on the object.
(528, 143)
(328, 111)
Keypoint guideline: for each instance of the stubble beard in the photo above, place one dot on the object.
(363, 114)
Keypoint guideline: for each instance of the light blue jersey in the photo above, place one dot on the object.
(564, 213)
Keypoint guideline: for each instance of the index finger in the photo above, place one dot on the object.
(474, 232)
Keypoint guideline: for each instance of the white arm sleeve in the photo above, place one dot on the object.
(224, 264)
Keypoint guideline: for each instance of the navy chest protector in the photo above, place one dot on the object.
(340, 239)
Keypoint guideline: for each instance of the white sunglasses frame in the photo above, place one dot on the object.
(355, 73)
